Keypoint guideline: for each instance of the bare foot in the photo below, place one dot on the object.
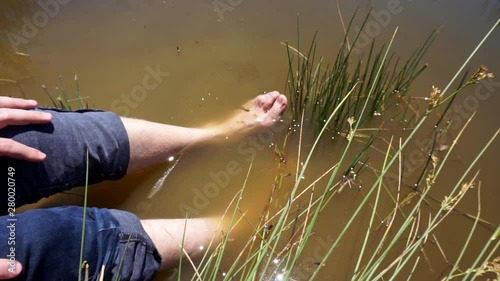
(261, 112)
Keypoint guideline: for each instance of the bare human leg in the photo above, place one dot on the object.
(168, 235)
(152, 143)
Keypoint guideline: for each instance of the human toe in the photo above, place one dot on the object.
(278, 107)
(266, 101)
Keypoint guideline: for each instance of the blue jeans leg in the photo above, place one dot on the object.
(47, 243)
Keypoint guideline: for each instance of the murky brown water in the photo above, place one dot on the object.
(226, 58)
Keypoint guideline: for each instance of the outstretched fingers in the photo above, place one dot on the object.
(9, 116)
(17, 150)
(8, 102)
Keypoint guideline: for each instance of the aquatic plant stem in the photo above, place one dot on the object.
(82, 243)
(370, 224)
(470, 56)
(457, 262)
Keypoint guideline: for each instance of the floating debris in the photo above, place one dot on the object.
(159, 183)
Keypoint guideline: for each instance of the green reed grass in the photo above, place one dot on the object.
(84, 219)
(62, 100)
(331, 95)
(317, 88)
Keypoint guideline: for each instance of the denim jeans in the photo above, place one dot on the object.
(47, 241)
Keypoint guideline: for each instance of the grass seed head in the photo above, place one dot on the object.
(435, 97)
(481, 73)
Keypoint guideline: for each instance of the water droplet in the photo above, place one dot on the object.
(171, 158)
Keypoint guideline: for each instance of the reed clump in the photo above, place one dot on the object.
(316, 87)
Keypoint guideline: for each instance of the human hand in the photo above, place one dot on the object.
(14, 111)
(7, 271)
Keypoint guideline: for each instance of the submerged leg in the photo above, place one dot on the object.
(152, 143)
(174, 238)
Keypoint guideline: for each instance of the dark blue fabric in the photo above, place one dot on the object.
(47, 241)
(65, 140)
(138, 258)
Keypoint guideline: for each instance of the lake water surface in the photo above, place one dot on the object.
(210, 57)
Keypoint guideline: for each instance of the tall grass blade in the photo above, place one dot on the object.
(84, 220)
